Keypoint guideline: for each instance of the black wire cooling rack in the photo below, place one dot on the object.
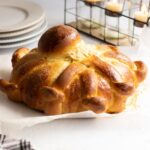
(93, 19)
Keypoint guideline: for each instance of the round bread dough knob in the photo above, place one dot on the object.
(58, 38)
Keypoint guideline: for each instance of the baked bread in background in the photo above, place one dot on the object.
(65, 74)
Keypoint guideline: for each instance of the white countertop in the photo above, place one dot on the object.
(129, 132)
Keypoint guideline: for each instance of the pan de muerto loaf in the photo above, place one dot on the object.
(65, 75)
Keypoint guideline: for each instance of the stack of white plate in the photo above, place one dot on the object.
(21, 23)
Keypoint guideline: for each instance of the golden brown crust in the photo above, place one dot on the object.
(79, 78)
(73, 96)
(124, 88)
(51, 94)
(89, 82)
(104, 88)
(11, 89)
(119, 56)
(21, 71)
(118, 103)
(67, 75)
(96, 104)
(109, 71)
(57, 38)
(18, 55)
(31, 85)
(51, 98)
(6, 85)
(141, 70)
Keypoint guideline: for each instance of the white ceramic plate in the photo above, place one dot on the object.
(19, 14)
(20, 44)
(21, 32)
(29, 35)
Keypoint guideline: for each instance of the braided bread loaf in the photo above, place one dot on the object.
(66, 75)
